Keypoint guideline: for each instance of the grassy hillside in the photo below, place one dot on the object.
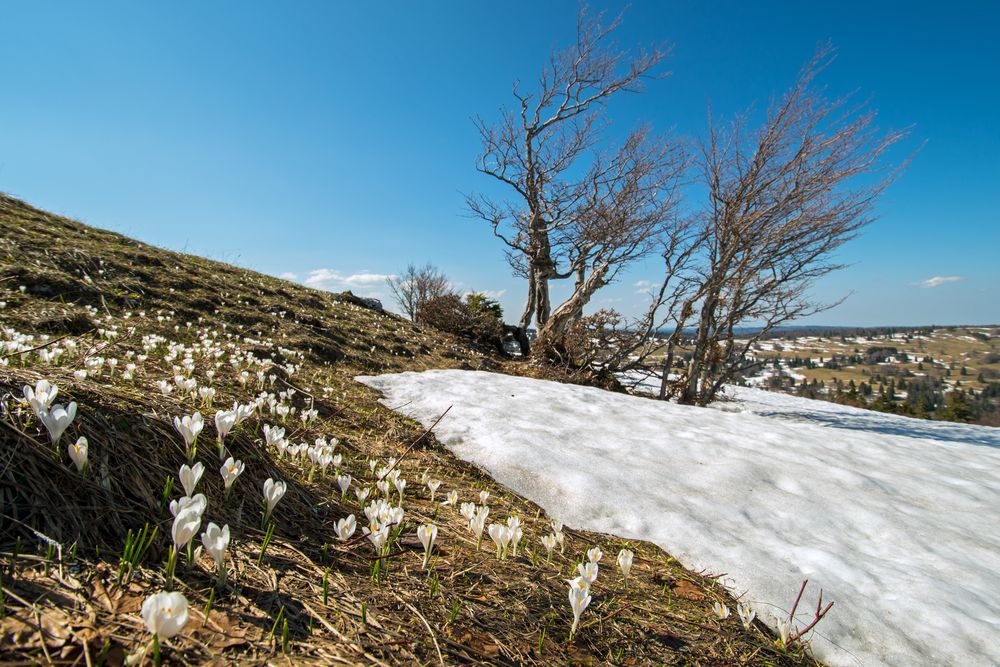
(137, 318)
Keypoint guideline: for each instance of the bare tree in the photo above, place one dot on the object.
(576, 212)
(624, 347)
(782, 199)
(415, 287)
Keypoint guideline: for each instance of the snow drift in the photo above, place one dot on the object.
(896, 519)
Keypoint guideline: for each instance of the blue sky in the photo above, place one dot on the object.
(335, 140)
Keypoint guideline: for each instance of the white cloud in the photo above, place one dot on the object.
(642, 286)
(494, 294)
(334, 281)
(938, 280)
(288, 275)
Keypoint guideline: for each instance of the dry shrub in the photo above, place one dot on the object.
(451, 314)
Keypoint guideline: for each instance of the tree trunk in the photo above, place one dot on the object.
(525, 321)
(701, 341)
(543, 305)
(556, 327)
(668, 361)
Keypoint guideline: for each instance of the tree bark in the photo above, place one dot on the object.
(570, 310)
(701, 342)
(529, 312)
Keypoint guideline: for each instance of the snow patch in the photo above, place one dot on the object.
(895, 518)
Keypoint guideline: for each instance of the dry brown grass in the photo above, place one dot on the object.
(469, 608)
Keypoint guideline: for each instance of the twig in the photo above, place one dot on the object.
(791, 614)
(39, 347)
(820, 613)
(413, 444)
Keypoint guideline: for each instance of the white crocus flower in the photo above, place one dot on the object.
(500, 535)
(451, 498)
(80, 375)
(282, 447)
(483, 497)
(346, 527)
(746, 615)
(588, 571)
(476, 525)
(784, 632)
(164, 387)
(594, 554)
(207, 395)
(273, 434)
(362, 493)
(400, 484)
(427, 533)
(189, 476)
(165, 614)
(225, 420)
(579, 599)
(186, 525)
(344, 482)
(515, 538)
(187, 385)
(40, 396)
(379, 538)
(383, 486)
(273, 491)
(433, 485)
(514, 528)
(394, 515)
(78, 453)
(216, 541)
(189, 427)
(242, 412)
(57, 420)
(625, 563)
(549, 542)
(324, 459)
(468, 510)
(721, 610)
(374, 510)
(198, 501)
(230, 470)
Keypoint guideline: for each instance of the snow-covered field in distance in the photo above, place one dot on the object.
(896, 519)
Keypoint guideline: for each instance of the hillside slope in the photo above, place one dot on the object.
(137, 336)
